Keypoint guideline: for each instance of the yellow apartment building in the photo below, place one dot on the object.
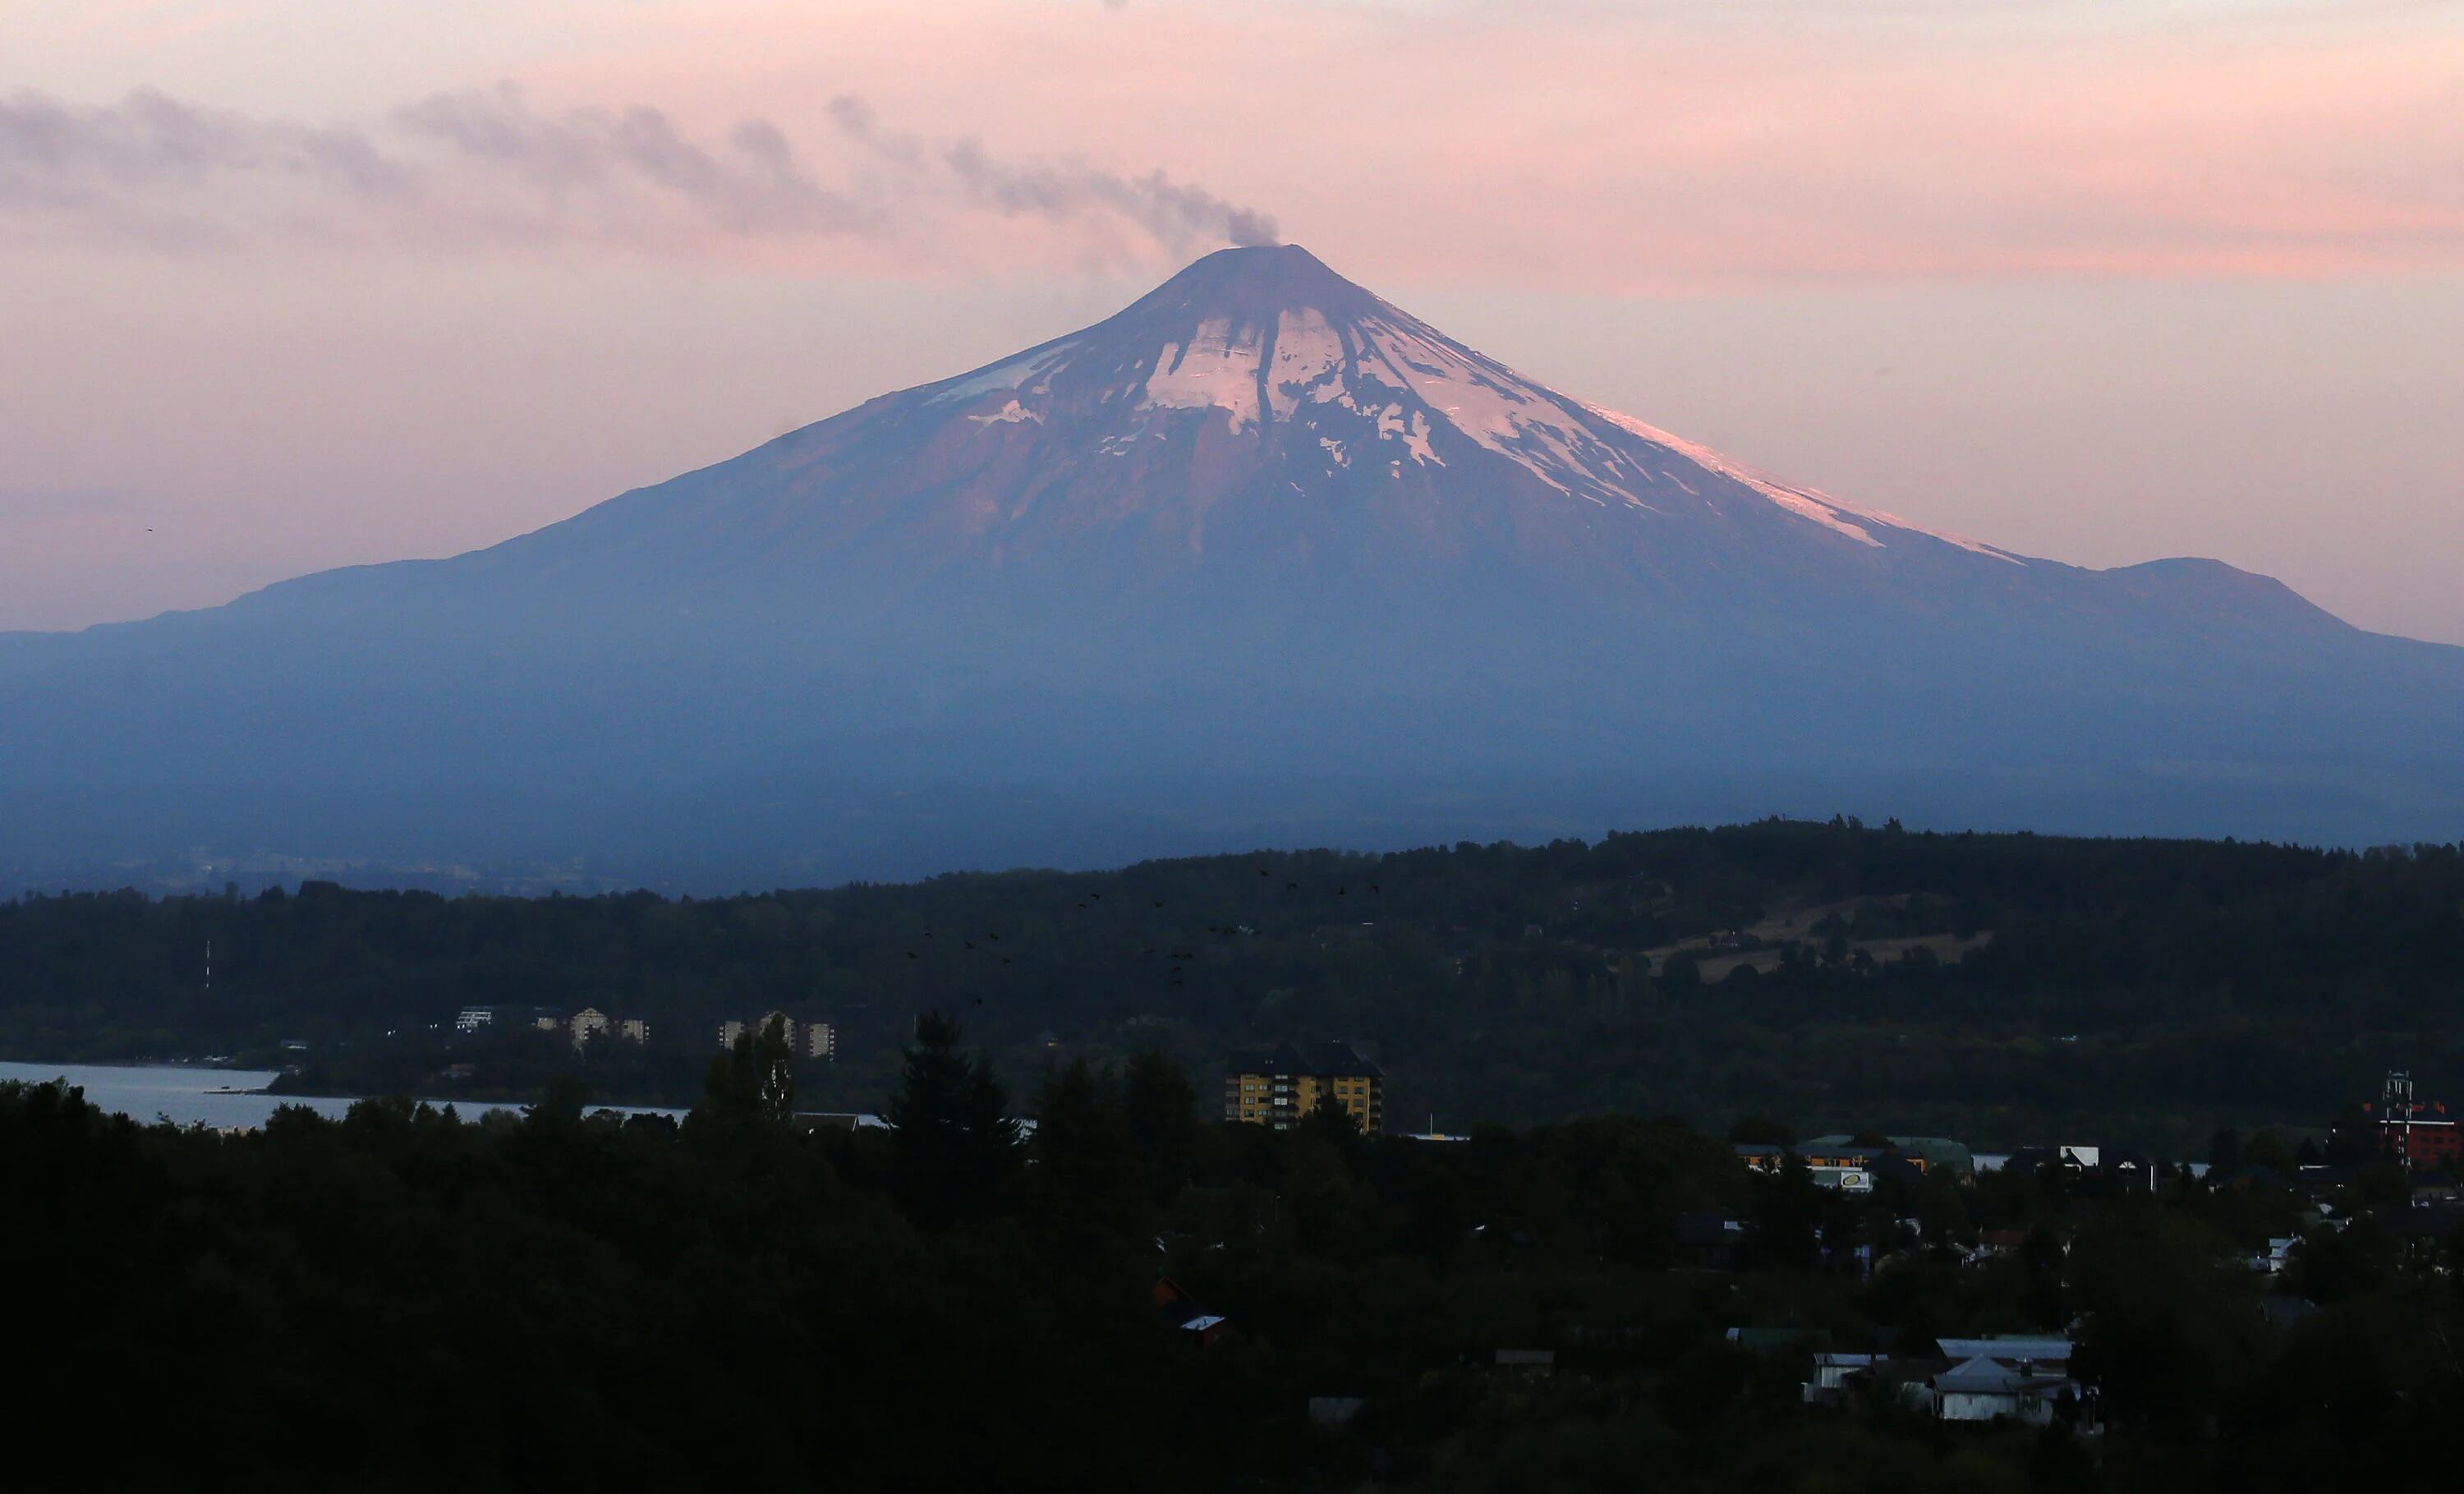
(1276, 1087)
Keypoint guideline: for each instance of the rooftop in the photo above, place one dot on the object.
(1315, 1060)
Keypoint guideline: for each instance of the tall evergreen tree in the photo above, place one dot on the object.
(1161, 1106)
(953, 1144)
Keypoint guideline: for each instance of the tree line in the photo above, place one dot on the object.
(401, 1299)
(2003, 988)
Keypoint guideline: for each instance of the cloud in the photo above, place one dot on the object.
(482, 167)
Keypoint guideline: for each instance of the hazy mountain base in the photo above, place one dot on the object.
(746, 754)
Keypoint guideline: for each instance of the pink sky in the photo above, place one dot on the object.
(2096, 280)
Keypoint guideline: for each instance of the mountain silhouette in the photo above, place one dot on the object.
(1262, 557)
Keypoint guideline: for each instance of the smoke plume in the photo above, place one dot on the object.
(472, 167)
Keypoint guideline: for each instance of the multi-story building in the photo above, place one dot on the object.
(586, 1024)
(633, 1029)
(1276, 1087)
(788, 1027)
(2416, 1133)
(473, 1018)
(820, 1041)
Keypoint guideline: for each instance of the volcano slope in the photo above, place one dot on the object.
(1262, 557)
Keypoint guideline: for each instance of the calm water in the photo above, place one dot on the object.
(186, 1096)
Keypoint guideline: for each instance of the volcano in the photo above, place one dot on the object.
(1262, 557)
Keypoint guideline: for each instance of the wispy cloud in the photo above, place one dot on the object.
(473, 168)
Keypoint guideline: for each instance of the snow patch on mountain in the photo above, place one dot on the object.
(1217, 369)
(1806, 503)
(1029, 373)
(1401, 378)
(1308, 362)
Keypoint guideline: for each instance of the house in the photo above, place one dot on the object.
(2013, 1348)
(1835, 1375)
(1839, 1379)
(2022, 1378)
(1180, 1313)
(1276, 1087)
(1988, 1389)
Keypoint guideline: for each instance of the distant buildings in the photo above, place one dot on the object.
(1276, 1087)
(804, 1040)
(1838, 1163)
(581, 1026)
(2118, 1168)
(2025, 1380)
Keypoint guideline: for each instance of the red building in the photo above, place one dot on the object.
(2419, 1135)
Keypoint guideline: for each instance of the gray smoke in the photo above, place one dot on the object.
(486, 164)
(1177, 215)
(753, 184)
(63, 155)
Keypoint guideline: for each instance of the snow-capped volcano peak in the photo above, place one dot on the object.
(1269, 345)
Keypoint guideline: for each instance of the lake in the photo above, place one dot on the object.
(186, 1095)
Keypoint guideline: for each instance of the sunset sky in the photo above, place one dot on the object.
(291, 285)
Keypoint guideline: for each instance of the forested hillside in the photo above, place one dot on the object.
(1997, 988)
(1134, 1299)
